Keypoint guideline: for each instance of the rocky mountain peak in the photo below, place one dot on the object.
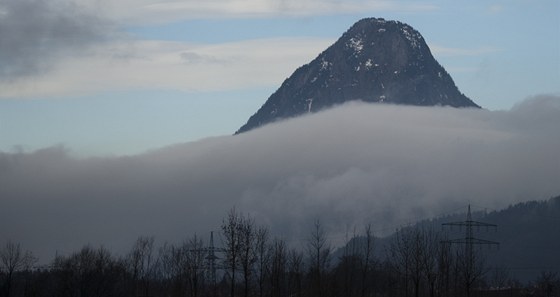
(374, 61)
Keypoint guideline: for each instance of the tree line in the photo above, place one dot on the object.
(252, 263)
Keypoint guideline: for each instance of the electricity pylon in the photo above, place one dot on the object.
(211, 258)
(209, 253)
(469, 241)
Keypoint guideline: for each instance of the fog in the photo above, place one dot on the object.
(355, 164)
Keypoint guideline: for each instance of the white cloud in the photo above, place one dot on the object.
(495, 8)
(137, 64)
(444, 51)
(172, 65)
(75, 48)
(358, 163)
(140, 11)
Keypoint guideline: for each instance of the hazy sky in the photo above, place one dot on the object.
(106, 77)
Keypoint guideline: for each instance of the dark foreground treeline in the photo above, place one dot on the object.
(251, 263)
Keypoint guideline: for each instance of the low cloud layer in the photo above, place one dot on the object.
(348, 166)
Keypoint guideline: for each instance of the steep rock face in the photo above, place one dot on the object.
(374, 61)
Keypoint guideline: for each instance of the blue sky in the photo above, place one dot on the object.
(121, 77)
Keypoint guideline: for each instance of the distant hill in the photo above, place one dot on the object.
(528, 234)
(374, 61)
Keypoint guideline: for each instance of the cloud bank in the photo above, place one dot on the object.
(348, 166)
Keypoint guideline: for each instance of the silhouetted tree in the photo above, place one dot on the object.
(278, 268)
(248, 255)
(472, 267)
(262, 250)
(430, 245)
(12, 260)
(142, 264)
(89, 272)
(367, 260)
(194, 264)
(416, 255)
(172, 269)
(401, 255)
(499, 277)
(319, 254)
(446, 274)
(295, 272)
(231, 229)
(548, 284)
(346, 272)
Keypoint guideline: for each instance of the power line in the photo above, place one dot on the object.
(469, 225)
(211, 258)
(469, 240)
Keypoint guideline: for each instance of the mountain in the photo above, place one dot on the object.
(527, 234)
(374, 61)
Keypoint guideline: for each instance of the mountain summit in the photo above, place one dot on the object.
(374, 61)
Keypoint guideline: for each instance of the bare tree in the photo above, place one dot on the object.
(548, 284)
(171, 269)
(366, 258)
(348, 268)
(295, 272)
(248, 255)
(445, 268)
(418, 253)
(472, 267)
(278, 268)
(499, 277)
(194, 264)
(415, 252)
(400, 253)
(142, 264)
(262, 249)
(89, 272)
(14, 259)
(430, 245)
(231, 228)
(182, 267)
(319, 252)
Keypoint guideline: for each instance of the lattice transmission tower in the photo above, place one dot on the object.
(469, 240)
